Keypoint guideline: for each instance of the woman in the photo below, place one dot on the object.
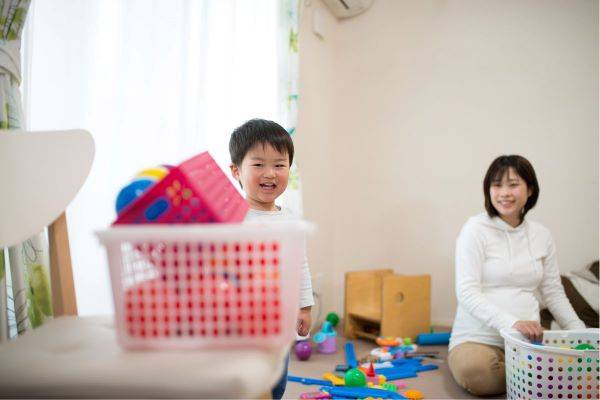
(501, 259)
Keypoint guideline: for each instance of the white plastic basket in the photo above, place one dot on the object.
(194, 286)
(552, 370)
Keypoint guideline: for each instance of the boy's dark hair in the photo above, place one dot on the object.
(261, 131)
(497, 170)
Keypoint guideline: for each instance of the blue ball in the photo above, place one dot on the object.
(131, 192)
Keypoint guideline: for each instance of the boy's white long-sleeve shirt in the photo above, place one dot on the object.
(498, 269)
(306, 292)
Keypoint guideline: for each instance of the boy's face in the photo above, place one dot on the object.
(264, 176)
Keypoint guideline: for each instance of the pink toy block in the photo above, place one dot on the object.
(197, 191)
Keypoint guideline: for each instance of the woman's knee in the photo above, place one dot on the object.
(478, 370)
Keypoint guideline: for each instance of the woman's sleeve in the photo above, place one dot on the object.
(553, 293)
(470, 257)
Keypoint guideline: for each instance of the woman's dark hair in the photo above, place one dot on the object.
(261, 131)
(496, 171)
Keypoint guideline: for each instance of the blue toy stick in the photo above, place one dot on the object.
(391, 374)
(308, 381)
(426, 367)
(361, 393)
(350, 355)
(407, 361)
(433, 338)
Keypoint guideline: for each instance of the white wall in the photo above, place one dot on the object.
(403, 108)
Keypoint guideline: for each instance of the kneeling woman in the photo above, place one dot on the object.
(501, 259)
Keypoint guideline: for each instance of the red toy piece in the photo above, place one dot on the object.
(197, 191)
(371, 371)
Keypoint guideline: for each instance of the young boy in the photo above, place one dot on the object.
(261, 155)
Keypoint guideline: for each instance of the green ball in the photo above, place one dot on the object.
(333, 318)
(354, 377)
(584, 346)
(407, 341)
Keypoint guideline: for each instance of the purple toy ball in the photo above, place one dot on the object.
(303, 350)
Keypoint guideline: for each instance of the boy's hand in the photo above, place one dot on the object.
(304, 321)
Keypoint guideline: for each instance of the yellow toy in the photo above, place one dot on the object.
(388, 341)
(335, 380)
(413, 394)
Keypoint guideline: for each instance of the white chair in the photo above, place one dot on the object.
(78, 357)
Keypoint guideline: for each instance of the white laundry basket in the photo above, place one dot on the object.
(552, 370)
(194, 286)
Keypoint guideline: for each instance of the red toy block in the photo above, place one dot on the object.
(197, 191)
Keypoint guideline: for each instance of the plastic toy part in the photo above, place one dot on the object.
(196, 191)
(319, 337)
(584, 346)
(131, 192)
(376, 380)
(315, 395)
(156, 173)
(371, 370)
(327, 328)
(361, 393)
(325, 344)
(308, 381)
(355, 378)
(388, 341)
(326, 339)
(303, 350)
(342, 367)
(350, 355)
(413, 394)
(334, 379)
(433, 338)
(333, 318)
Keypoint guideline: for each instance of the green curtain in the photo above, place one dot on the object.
(288, 91)
(29, 274)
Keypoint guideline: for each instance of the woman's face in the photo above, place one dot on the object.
(509, 195)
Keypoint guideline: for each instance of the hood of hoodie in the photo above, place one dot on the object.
(510, 233)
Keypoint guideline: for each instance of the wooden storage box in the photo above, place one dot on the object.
(381, 303)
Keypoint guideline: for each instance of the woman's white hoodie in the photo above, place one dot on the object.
(498, 269)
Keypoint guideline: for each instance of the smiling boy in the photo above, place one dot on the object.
(261, 155)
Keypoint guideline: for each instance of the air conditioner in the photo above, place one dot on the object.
(347, 8)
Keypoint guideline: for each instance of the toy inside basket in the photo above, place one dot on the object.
(195, 286)
(196, 191)
(552, 370)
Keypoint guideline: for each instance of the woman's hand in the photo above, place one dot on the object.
(304, 321)
(532, 330)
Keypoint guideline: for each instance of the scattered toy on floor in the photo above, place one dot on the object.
(334, 379)
(354, 377)
(350, 355)
(428, 339)
(303, 350)
(376, 375)
(326, 339)
(307, 381)
(333, 318)
(361, 392)
(413, 395)
(315, 395)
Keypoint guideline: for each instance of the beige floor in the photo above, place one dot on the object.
(436, 384)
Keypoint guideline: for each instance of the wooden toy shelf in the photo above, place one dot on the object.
(382, 303)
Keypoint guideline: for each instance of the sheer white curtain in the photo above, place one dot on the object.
(155, 82)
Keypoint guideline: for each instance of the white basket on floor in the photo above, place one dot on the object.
(194, 286)
(552, 370)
